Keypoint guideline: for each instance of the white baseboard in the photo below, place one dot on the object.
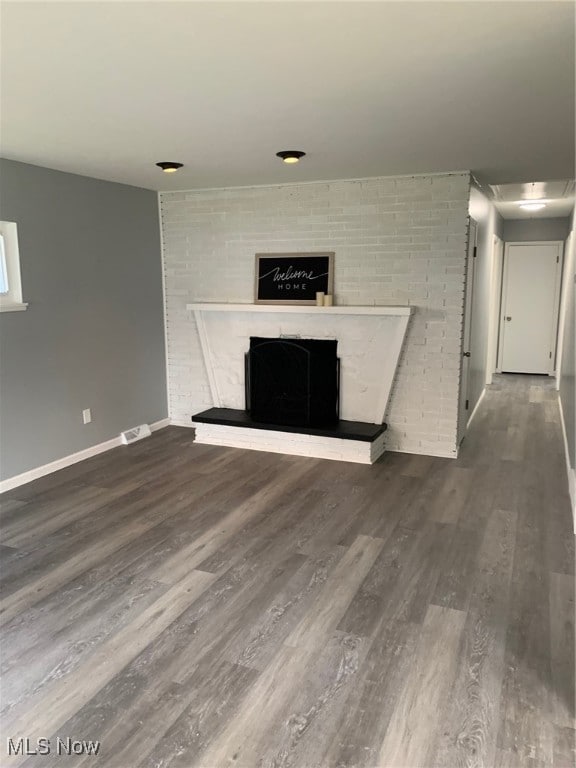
(67, 461)
(182, 423)
(571, 472)
(160, 424)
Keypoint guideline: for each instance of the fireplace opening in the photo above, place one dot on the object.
(293, 382)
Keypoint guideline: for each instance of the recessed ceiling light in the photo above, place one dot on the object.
(290, 155)
(169, 167)
(537, 205)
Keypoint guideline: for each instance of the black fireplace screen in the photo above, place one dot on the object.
(293, 381)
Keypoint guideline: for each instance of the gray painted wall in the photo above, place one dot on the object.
(568, 362)
(92, 336)
(525, 230)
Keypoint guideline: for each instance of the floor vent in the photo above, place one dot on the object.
(135, 434)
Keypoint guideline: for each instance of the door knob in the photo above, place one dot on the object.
(508, 318)
(466, 354)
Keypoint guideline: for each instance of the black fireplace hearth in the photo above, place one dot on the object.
(293, 382)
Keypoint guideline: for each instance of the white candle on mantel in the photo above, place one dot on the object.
(319, 298)
(328, 300)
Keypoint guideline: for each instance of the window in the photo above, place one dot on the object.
(10, 284)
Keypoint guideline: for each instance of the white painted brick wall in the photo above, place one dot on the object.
(397, 241)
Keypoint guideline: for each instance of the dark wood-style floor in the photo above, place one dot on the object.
(189, 605)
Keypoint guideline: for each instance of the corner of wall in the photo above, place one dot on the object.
(164, 313)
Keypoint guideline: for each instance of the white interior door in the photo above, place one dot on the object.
(529, 315)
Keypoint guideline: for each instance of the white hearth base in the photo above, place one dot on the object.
(358, 451)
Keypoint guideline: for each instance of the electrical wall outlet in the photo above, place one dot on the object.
(87, 416)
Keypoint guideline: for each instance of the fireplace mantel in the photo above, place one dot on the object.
(307, 309)
(370, 340)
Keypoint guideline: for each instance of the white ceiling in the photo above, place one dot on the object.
(107, 89)
(558, 197)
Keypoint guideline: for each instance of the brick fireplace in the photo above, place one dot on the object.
(369, 342)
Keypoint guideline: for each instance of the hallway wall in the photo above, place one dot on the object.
(567, 353)
(525, 230)
(489, 224)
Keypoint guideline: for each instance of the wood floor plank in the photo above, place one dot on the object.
(58, 514)
(177, 705)
(527, 687)
(469, 736)
(386, 503)
(256, 643)
(28, 595)
(53, 707)
(219, 690)
(453, 495)
(427, 687)
(304, 727)
(403, 580)
(357, 737)
(562, 648)
(146, 504)
(418, 499)
(456, 580)
(8, 508)
(337, 593)
(238, 743)
(63, 650)
(278, 734)
(245, 593)
(334, 510)
(377, 594)
(74, 559)
(211, 540)
(70, 609)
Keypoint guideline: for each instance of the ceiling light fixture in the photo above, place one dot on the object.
(536, 205)
(290, 155)
(169, 167)
(532, 199)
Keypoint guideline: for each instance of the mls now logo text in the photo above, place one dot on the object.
(58, 746)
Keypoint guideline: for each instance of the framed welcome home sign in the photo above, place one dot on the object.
(292, 278)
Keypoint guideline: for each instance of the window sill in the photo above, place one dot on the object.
(18, 307)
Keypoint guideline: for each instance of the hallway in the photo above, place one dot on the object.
(515, 448)
(189, 605)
